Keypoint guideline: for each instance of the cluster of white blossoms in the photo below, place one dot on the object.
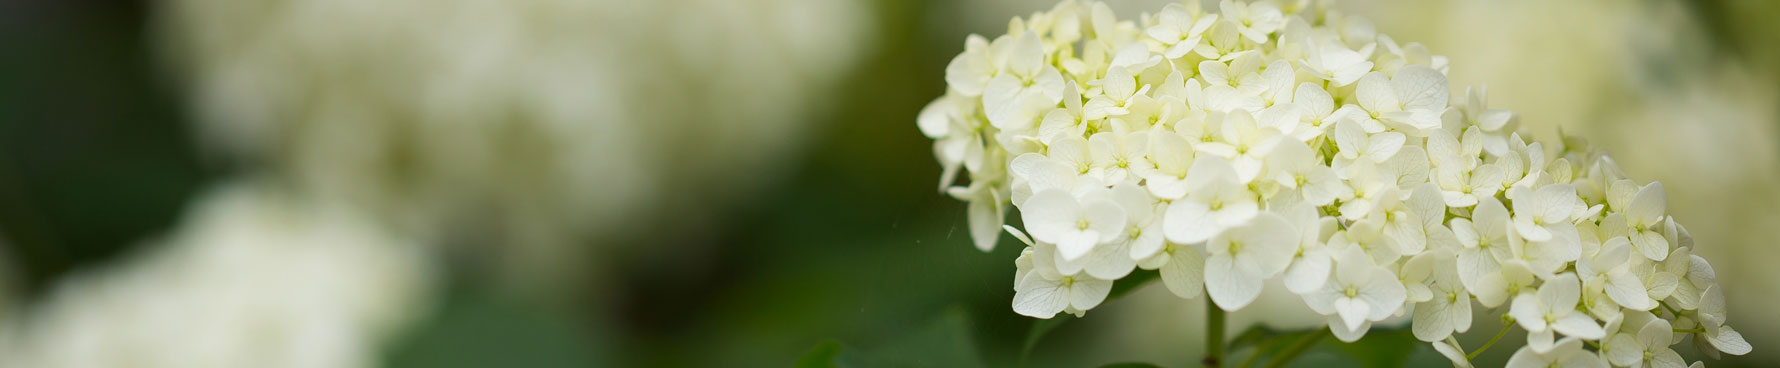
(1262, 141)
(250, 278)
(523, 123)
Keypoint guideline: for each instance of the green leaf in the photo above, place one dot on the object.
(821, 356)
(1039, 329)
(1256, 334)
(1130, 365)
(945, 342)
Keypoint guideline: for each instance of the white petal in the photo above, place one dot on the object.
(1087, 293)
(1230, 286)
(1184, 274)
(1421, 87)
(1375, 94)
(985, 221)
(1384, 145)
(1648, 205)
(1027, 55)
(1072, 245)
(1527, 311)
(1624, 350)
(1049, 213)
(1345, 334)
(1105, 218)
(1578, 325)
(1729, 341)
(1002, 99)
(1308, 273)
(1042, 302)
(1188, 222)
(1431, 322)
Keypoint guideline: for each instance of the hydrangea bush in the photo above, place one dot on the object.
(1259, 141)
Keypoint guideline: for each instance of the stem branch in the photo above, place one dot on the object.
(1486, 346)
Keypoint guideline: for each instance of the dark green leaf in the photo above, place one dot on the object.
(1130, 365)
(821, 356)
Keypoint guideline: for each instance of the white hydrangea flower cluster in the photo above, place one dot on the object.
(1264, 140)
(523, 123)
(251, 278)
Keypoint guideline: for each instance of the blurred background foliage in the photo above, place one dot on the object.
(849, 256)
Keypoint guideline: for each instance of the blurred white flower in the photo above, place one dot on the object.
(538, 125)
(252, 277)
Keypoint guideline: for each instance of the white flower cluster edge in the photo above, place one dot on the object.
(1286, 140)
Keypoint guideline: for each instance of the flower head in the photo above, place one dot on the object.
(1223, 149)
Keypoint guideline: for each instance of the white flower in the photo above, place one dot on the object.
(1172, 157)
(1649, 347)
(1242, 142)
(1609, 268)
(1565, 353)
(1462, 180)
(1450, 349)
(1485, 241)
(1243, 74)
(986, 211)
(1307, 116)
(1014, 97)
(1223, 41)
(1182, 269)
(1494, 125)
(1070, 121)
(1141, 239)
(1712, 314)
(1215, 201)
(1295, 167)
(981, 61)
(957, 137)
(1514, 279)
(1411, 100)
(1180, 29)
(1405, 221)
(1544, 215)
(1360, 292)
(1313, 261)
(1117, 155)
(1055, 216)
(1035, 172)
(1642, 209)
(1253, 20)
(1335, 63)
(1117, 91)
(1553, 309)
(1449, 310)
(1356, 143)
(1239, 259)
(1042, 292)
(1694, 275)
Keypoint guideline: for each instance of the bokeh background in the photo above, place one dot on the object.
(469, 183)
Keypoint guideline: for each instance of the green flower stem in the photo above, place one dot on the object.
(1298, 347)
(1508, 323)
(1214, 335)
